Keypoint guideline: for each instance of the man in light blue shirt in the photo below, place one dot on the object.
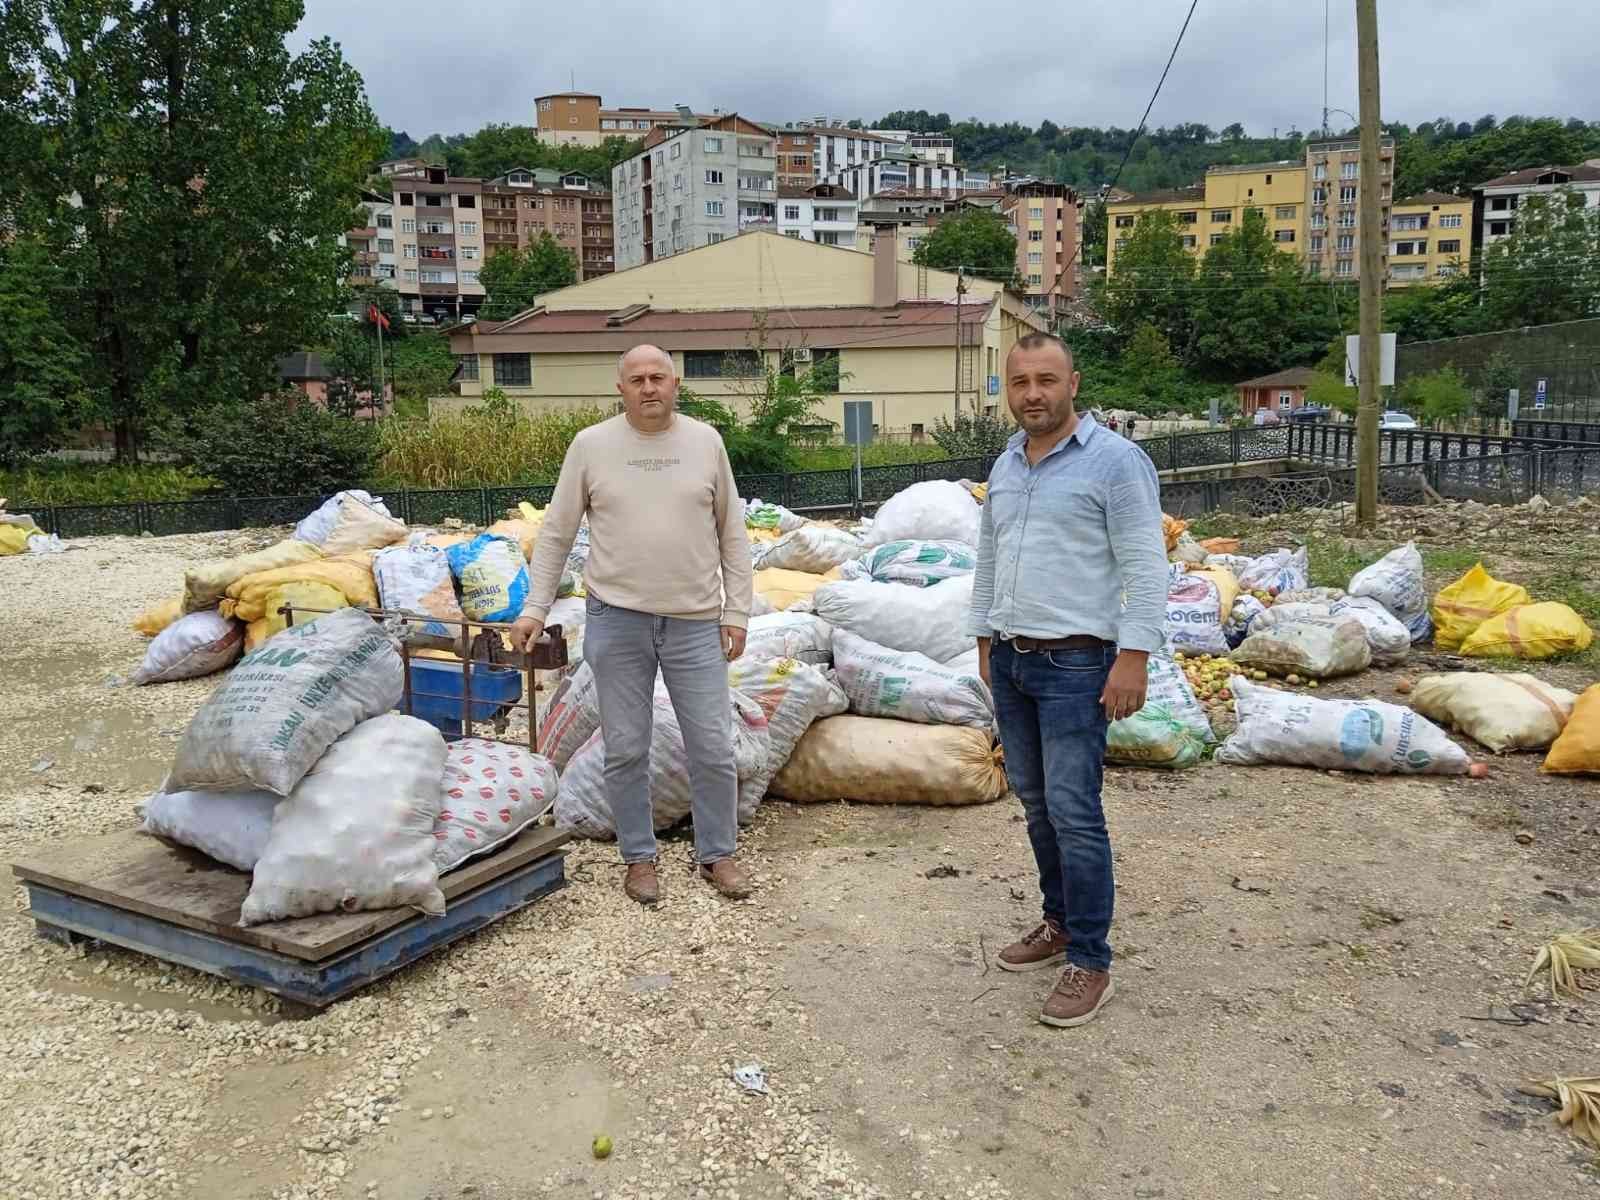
(1068, 604)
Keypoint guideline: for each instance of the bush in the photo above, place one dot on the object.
(86, 483)
(491, 444)
(281, 445)
(972, 435)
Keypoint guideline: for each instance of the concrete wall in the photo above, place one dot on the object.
(1566, 355)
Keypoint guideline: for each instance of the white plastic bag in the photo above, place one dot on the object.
(316, 525)
(930, 620)
(572, 615)
(793, 695)
(1387, 635)
(1167, 686)
(881, 682)
(1194, 613)
(231, 827)
(1504, 712)
(46, 543)
(196, 644)
(285, 704)
(361, 525)
(416, 579)
(936, 510)
(1396, 582)
(1316, 646)
(1237, 563)
(917, 562)
(1296, 730)
(357, 832)
(491, 792)
(804, 636)
(1276, 571)
(760, 606)
(493, 575)
(813, 548)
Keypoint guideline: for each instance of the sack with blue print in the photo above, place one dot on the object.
(493, 577)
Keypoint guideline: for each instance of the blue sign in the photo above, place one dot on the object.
(1539, 394)
(994, 385)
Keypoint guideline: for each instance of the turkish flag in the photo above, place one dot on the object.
(376, 317)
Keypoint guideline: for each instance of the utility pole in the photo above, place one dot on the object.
(961, 290)
(1372, 243)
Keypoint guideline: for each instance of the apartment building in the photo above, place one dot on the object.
(1430, 238)
(372, 244)
(439, 241)
(1495, 203)
(835, 149)
(820, 212)
(899, 172)
(526, 202)
(581, 119)
(1332, 198)
(796, 159)
(1044, 218)
(693, 184)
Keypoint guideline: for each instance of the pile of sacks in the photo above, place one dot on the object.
(1483, 617)
(297, 771)
(351, 552)
(19, 534)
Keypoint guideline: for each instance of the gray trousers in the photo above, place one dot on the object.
(625, 649)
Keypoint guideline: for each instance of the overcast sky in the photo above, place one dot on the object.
(431, 66)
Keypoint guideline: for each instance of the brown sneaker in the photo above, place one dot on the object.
(641, 883)
(728, 877)
(1077, 997)
(1044, 947)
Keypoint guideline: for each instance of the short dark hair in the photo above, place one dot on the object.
(1038, 341)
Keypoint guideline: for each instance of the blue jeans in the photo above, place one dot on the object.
(1053, 730)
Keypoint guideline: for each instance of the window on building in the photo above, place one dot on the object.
(408, 225)
(1319, 221)
(1256, 212)
(1319, 195)
(385, 221)
(1189, 241)
(411, 275)
(1347, 241)
(1316, 243)
(1122, 244)
(1037, 235)
(1125, 222)
(1283, 235)
(1499, 203)
(1347, 219)
(469, 277)
(794, 233)
(1499, 228)
(513, 370)
(467, 368)
(1450, 221)
(1284, 212)
(713, 145)
(1347, 195)
(469, 252)
(721, 364)
(1035, 279)
(1446, 270)
(677, 181)
(677, 150)
(1315, 266)
(1035, 211)
(385, 245)
(466, 202)
(1218, 238)
(1403, 248)
(1189, 218)
(713, 208)
(1036, 256)
(1320, 171)
(1345, 267)
(410, 250)
(1449, 245)
(1349, 170)
(791, 212)
(713, 238)
(407, 199)
(1222, 216)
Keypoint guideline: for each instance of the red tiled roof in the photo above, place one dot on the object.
(1293, 377)
(1578, 174)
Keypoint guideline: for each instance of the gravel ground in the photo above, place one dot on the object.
(1308, 968)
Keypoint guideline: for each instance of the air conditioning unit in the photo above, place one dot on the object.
(802, 354)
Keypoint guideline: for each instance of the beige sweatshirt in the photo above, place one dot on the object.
(666, 528)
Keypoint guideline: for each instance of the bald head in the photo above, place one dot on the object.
(649, 387)
(1046, 342)
(642, 355)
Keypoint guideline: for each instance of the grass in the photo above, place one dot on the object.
(1453, 561)
(1331, 563)
(99, 483)
(881, 454)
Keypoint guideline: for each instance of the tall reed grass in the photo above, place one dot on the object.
(478, 447)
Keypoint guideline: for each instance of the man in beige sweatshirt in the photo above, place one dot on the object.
(669, 587)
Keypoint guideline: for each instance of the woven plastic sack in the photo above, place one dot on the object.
(878, 760)
(312, 598)
(492, 791)
(571, 717)
(1311, 595)
(1315, 646)
(936, 510)
(416, 579)
(919, 563)
(158, 616)
(1227, 584)
(1236, 563)
(1462, 606)
(572, 614)
(1277, 571)
(1577, 750)
(571, 583)
(1246, 609)
(813, 548)
(583, 806)
(783, 589)
(362, 525)
(1395, 581)
(929, 620)
(881, 682)
(284, 705)
(201, 643)
(1530, 631)
(493, 576)
(804, 636)
(1194, 614)
(318, 524)
(1187, 551)
(524, 532)
(793, 695)
(1387, 636)
(13, 540)
(357, 831)
(205, 587)
(1296, 730)
(760, 514)
(231, 827)
(760, 606)
(1168, 687)
(350, 575)
(1503, 712)
(1153, 737)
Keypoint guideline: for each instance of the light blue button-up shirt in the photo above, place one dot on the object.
(1073, 544)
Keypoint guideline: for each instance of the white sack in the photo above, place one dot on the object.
(1194, 614)
(357, 832)
(813, 548)
(571, 717)
(881, 682)
(491, 792)
(1286, 729)
(1277, 571)
(1316, 646)
(416, 579)
(931, 620)
(804, 636)
(316, 525)
(1504, 712)
(286, 703)
(913, 561)
(1395, 581)
(1387, 635)
(760, 514)
(1166, 685)
(793, 695)
(196, 644)
(1246, 608)
(231, 827)
(934, 510)
(361, 525)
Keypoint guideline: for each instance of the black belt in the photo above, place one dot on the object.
(1080, 641)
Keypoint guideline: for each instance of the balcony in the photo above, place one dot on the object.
(437, 289)
(757, 222)
(364, 258)
(597, 243)
(435, 239)
(357, 235)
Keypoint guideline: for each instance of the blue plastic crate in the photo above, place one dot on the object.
(493, 689)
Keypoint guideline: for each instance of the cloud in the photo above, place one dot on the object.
(432, 68)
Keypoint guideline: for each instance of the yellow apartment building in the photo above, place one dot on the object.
(1430, 238)
(1208, 212)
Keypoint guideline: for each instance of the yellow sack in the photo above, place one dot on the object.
(1173, 529)
(158, 616)
(14, 539)
(204, 587)
(981, 492)
(1577, 750)
(350, 575)
(1227, 585)
(300, 594)
(530, 513)
(879, 760)
(360, 526)
(757, 534)
(1529, 631)
(445, 540)
(1470, 601)
(782, 588)
(519, 530)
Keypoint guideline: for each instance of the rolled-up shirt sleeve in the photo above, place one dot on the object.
(979, 624)
(1133, 521)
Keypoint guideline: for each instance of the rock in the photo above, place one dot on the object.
(1538, 504)
(1524, 838)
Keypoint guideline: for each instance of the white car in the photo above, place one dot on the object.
(1396, 420)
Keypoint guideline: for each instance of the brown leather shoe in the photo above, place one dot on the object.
(641, 883)
(1044, 947)
(728, 877)
(1077, 997)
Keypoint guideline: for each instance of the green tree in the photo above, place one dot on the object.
(421, 368)
(1548, 269)
(40, 359)
(1094, 234)
(199, 173)
(278, 445)
(972, 434)
(1328, 391)
(1427, 312)
(1495, 381)
(976, 240)
(1440, 397)
(1153, 284)
(515, 279)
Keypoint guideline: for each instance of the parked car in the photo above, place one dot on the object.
(409, 318)
(1396, 420)
(1309, 412)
